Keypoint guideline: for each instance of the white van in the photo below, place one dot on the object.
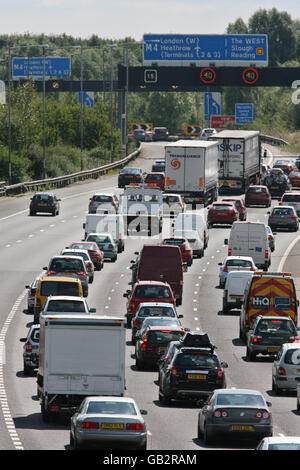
(193, 220)
(110, 223)
(250, 239)
(235, 285)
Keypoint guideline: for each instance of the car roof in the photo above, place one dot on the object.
(103, 194)
(155, 283)
(159, 327)
(283, 207)
(282, 439)
(247, 258)
(60, 278)
(105, 398)
(274, 317)
(155, 304)
(102, 234)
(66, 297)
(76, 250)
(241, 391)
(155, 173)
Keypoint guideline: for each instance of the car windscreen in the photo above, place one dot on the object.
(239, 262)
(111, 408)
(291, 198)
(240, 399)
(157, 292)
(256, 190)
(66, 265)
(174, 241)
(65, 306)
(273, 326)
(154, 177)
(42, 198)
(59, 288)
(283, 211)
(164, 336)
(99, 238)
(284, 446)
(221, 207)
(156, 312)
(102, 198)
(292, 357)
(196, 359)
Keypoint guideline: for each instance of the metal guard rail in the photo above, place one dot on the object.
(67, 179)
(268, 139)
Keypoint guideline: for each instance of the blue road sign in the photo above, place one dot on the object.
(243, 113)
(212, 105)
(206, 49)
(87, 98)
(33, 67)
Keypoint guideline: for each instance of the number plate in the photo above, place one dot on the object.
(197, 376)
(297, 371)
(42, 204)
(274, 187)
(235, 297)
(271, 350)
(115, 426)
(236, 427)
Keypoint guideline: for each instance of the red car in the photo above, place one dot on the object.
(147, 291)
(97, 256)
(185, 248)
(239, 205)
(222, 213)
(155, 179)
(286, 165)
(257, 195)
(294, 177)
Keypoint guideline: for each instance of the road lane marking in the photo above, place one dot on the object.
(286, 253)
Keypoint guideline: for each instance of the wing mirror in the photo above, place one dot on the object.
(226, 241)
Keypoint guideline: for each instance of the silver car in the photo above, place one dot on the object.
(31, 294)
(194, 240)
(286, 368)
(84, 254)
(279, 443)
(103, 202)
(283, 217)
(31, 350)
(72, 266)
(108, 420)
(237, 413)
(66, 304)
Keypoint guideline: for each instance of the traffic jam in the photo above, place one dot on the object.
(198, 187)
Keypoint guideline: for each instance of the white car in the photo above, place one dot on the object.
(279, 443)
(207, 132)
(84, 254)
(194, 240)
(101, 202)
(56, 304)
(173, 205)
(235, 263)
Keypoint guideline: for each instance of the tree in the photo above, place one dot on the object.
(238, 27)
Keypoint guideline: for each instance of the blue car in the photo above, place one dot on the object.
(105, 243)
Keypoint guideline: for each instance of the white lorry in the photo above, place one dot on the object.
(239, 159)
(79, 355)
(192, 171)
(250, 239)
(110, 223)
(142, 209)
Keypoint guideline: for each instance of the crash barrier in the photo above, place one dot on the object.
(268, 139)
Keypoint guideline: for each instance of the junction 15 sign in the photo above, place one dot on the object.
(206, 49)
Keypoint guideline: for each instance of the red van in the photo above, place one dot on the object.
(162, 263)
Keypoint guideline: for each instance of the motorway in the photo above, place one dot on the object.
(27, 244)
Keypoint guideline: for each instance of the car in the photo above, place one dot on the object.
(159, 321)
(108, 420)
(194, 240)
(286, 368)
(271, 238)
(160, 133)
(43, 202)
(207, 132)
(72, 266)
(139, 134)
(147, 291)
(235, 263)
(257, 195)
(84, 254)
(153, 343)
(159, 165)
(285, 165)
(103, 202)
(31, 350)
(279, 443)
(268, 334)
(234, 289)
(298, 396)
(105, 243)
(190, 373)
(148, 136)
(294, 178)
(173, 205)
(66, 304)
(97, 255)
(297, 163)
(222, 213)
(235, 412)
(31, 294)
(283, 217)
(277, 182)
(185, 248)
(265, 170)
(291, 198)
(130, 175)
(239, 205)
(155, 179)
(151, 309)
(193, 220)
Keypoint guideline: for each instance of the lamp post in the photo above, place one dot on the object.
(111, 101)
(81, 104)
(44, 46)
(9, 115)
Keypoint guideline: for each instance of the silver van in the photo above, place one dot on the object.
(235, 285)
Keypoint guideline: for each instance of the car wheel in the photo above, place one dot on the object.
(225, 309)
(275, 388)
(250, 355)
(207, 436)
(27, 370)
(138, 363)
(143, 446)
(199, 432)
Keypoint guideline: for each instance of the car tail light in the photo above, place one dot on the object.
(51, 272)
(220, 374)
(293, 339)
(252, 268)
(229, 251)
(134, 427)
(110, 246)
(144, 344)
(81, 273)
(54, 408)
(89, 425)
(294, 217)
(220, 414)
(28, 347)
(32, 294)
(257, 339)
(262, 415)
(226, 294)
(89, 265)
(174, 371)
(281, 371)
(271, 237)
(266, 254)
(272, 216)
(52, 204)
(225, 269)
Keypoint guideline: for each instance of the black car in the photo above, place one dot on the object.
(130, 175)
(158, 166)
(44, 202)
(160, 133)
(139, 134)
(190, 373)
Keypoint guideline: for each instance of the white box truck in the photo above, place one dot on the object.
(250, 239)
(79, 356)
(110, 223)
(192, 171)
(239, 159)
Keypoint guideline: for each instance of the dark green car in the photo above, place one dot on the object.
(44, 202)
(268, 334)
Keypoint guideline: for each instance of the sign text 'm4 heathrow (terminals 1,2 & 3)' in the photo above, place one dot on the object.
(41, 67)
(206, 49)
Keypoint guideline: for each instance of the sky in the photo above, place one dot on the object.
(119, 19)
